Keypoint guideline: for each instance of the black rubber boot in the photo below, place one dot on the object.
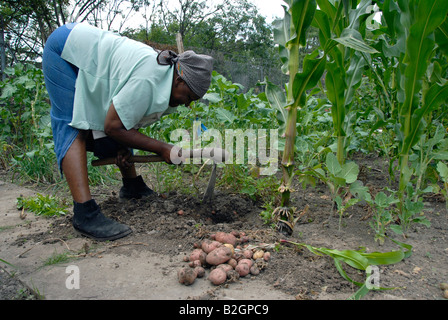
(134, 188)
(90, 222)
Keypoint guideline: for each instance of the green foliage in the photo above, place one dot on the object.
(411, 213)
(361, 260)
(382, 215)
(418, 87)
(43, 205)
(442, 169)
(25, 129)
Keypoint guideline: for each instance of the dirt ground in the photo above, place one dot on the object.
(160, 228)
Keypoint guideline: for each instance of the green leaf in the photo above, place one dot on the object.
(213, 97)
(384, 258)
(419, 47)
(335, 82)
(302, 13)
(359, 190)
(277, 100)
(6, 262)
(8, 91)
(225, 115)
(443, 170)
(313, 69)
(349, 172)
(332, 163)
(281, 28)
(397, 229)
(384, 201)
(354, 76)
(351, 38)
(432, 99)
(322, 22)
(441, 34)
(359, 260)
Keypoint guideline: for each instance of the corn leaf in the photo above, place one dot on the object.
(432, 99)
(277, 100)
(351, 38)
(360, 260)
(419, 47)
(302, 13)
(442, 36)
(313, 69)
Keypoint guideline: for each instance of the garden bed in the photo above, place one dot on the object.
(173, 222)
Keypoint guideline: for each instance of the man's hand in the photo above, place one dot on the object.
(122, 159)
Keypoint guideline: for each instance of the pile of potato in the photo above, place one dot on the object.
(228, 257)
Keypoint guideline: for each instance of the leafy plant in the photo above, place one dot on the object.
(410, 213)
(426, 151)
(45, 205)
(361, 260)
(342, 183)
(382, 215)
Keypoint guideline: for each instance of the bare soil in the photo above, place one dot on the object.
(294, 271)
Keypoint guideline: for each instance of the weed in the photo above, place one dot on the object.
(45, 205)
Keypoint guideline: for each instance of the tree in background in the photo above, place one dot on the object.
(25, 25)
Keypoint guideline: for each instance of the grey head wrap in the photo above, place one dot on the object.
(195, 69)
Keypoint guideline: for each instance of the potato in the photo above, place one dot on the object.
(444, 286)
(254, 270)
(217, 276)
(226, 267)
(195, 263)
(445, 294)
(200, 272)
(186, 276)
(208, 245)
(258, 254)
(243, 269)
(233, 263)
(224, 237)
(228, 245)
(198, 254)
(218, 256)
(248, 254)
(267, 256)
(249, 262)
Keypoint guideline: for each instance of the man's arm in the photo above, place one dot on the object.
(115, 129)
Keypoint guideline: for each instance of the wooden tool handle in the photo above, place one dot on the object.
(138, 159)
(215, 154)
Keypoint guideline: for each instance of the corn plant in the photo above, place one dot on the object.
(415, 41)
(290, 35)
(342, 26)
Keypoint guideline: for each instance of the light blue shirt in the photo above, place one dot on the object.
(118, 70)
